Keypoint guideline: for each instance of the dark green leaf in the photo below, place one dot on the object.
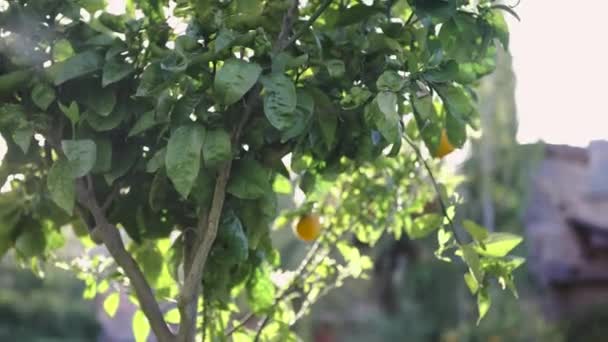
(62, 50)
(233, 239)
(114, 71)
(122, 160)
(303, 114)
(22, 136)
(61, 185)
(43, 95)
(183, 158)
(280, 100)
(100, 101)
(224, 39)
(234, 79)
(390, 81)
(249, 180)
(72, 112)
(105, 123)
(76, 66)
(81, 154)
(157, 161)
(217, 147)
(104, 156)
(146, 121)
(31, 242)
(335, 68)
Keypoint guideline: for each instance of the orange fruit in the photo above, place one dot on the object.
(308, 228)
(445, 147)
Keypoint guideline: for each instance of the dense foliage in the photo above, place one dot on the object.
(170, 121)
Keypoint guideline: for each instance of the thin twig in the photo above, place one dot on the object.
(113, 242)
(309, 22)
(261, 328)
(435, 186)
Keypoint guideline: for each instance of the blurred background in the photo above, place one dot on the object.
(538, 170)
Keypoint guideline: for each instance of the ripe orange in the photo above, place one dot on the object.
(308, 228)
(445, 147)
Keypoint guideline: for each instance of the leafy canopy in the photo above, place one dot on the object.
(169, 121)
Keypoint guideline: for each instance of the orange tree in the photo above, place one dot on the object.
(159, 130)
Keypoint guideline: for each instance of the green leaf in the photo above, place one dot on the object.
(497, 21)
(110, 304)
(390, 81)
(224, 39)
(76, 66)
(499, 244)
(233, 239)
(140, 326)
(459, 104)
(355, 14)
(157, 161)
(428, 122)
(61, 185)
(101, 100)
(22, 136)
(62, 50)
(92, 6)
(183, 158)
(249, 180)
(103, 163)
(234, 79)
(335, 68)
(383, 112)
(81, 154)
(484, 301)
(282, 185)
(478, 232)
(43, 95)
(217, 147)
(260, 290)
(280, 100)
(172, 316)
(424, 225)
(471, 282)
(31, 242)
(105, 123)
(114, 71)
(146, 121)
(470, 256)
(456, 130)
(122, 161)
(303, 115)
(154, 80)
(72, 112)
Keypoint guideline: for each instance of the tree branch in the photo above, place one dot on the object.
(187, 302)
(435, 186)
(309, 22)
(113, 242)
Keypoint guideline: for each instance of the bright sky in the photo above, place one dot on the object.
(560, 57)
